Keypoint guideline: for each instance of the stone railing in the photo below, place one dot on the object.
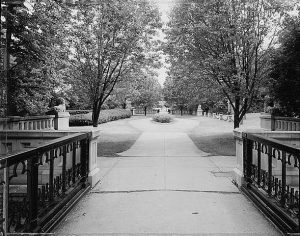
(279, 123)
(28, 123)
(60, 121)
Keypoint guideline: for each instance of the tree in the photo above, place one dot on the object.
(148, 91)
(285, 86)
(228, 42)
(184, 88)
(109, 40)
(37, 55)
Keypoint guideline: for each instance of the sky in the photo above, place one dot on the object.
(164, 8)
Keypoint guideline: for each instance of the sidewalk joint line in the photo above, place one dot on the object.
(165, 190)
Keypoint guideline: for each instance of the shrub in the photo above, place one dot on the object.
(105, 116)
(76, 112)
(162, 118)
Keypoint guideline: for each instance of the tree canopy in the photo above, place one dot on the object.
(37, 55)
(227, 42)
(285, 83)
(108, 42)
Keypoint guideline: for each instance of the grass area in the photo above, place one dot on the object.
(111, 144)
(216, 144)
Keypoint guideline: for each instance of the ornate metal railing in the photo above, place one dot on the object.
(271, 173)
(39, 185)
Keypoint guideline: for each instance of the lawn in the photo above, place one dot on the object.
(111, 144)
(216, 144)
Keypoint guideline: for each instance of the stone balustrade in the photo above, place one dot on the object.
(28, 123)
(280, 123)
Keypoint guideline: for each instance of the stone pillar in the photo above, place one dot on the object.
(94, 171)
(61, 121)
(128, 105)
(238, 171)
(199, 111)
(238, 174)
(265, 121)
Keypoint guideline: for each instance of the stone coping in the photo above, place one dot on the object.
(25, 118)
(45, 133)
(238, 132)
(268, 116)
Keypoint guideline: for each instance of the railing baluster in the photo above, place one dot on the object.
(64, 174)
(5, 198)
(298, 158)
(74, 162)
(269, 170)
(32, 190)
(84, 158)
(249, 146)
(283, 178)
(51, 176)
(259, 164)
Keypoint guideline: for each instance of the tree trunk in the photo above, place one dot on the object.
(145, 110)
(236, 112)
(96, 114)
(181, 111)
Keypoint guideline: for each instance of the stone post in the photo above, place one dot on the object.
(128, 105)
(199, 111)
(61, 121)
(94, 171)
(238, 174)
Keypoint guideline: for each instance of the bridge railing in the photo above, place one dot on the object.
(38, 186)
(271, 179)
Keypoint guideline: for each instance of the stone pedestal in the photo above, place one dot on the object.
(94, 171)
(199, 111)
(128, 105)
(265, 121)
(61, 121)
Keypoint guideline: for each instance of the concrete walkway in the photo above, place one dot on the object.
(165, 185)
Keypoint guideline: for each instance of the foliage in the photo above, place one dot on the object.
(141, 87)
(85, 119)
(148, 91)
(37, 55)
(285, 86)
(226, 43)
(77, 112)
(163, 118)
(109, 40)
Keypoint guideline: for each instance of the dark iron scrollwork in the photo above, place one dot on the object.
(46, 180)
(15, 169)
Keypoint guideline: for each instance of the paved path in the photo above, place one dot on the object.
(164, 185)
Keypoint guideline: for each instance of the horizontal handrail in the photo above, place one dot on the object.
(273, 142)
(56, 143)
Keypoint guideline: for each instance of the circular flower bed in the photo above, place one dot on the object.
(162, 118)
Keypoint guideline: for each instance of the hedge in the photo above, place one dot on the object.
(76, 112)
(162, 118)
(105, 116)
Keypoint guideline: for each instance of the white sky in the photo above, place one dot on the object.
(164, 8)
